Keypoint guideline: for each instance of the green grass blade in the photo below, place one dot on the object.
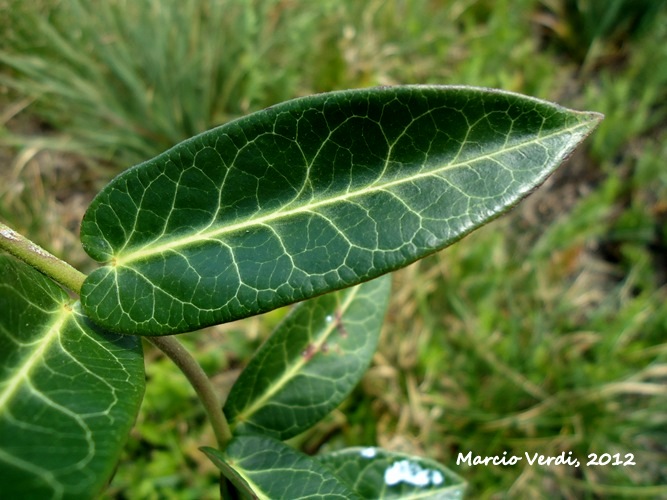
(69, 393)
(309, 196)
(310, 363)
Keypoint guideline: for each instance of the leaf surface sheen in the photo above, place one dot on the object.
(309, 196)
(313, 360)
(69, 393)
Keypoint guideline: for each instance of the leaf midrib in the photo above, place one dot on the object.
(35, 357)
(256, 490)
(120, 260)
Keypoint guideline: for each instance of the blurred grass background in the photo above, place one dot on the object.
(545, 331)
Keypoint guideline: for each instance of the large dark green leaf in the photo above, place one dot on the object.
(309, 196)
(69, 393)
(271, 469)
(375, 473)
(310, 363)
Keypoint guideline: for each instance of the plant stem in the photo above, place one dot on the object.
(194, 373)
(34, 255)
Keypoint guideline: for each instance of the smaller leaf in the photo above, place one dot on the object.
(69, 392)
(272, 469)
(376, 473)
(310, 363)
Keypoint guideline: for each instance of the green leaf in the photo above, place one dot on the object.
(376, 473)
(69, 393)
(309, 196)
(310, 363)
(271, 469)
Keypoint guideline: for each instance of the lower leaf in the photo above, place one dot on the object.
(69, 392)
(267, 468)
(376, 473)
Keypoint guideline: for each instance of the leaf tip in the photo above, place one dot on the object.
(591, 118)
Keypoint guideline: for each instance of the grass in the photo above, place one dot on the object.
(542, 332)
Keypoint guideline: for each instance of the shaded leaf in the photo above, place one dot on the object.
(69, 392)
(310, 363)
(271, 469)
(376, 473)
(309, 196)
